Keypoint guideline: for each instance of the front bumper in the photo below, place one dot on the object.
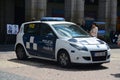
(89, 57)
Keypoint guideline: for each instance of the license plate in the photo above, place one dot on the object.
(99, 54)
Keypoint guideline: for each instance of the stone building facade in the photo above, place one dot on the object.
(19, 11)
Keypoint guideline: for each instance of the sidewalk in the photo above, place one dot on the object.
(7, 47)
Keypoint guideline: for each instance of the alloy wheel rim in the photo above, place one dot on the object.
(63, 59)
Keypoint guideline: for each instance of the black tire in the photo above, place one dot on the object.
(64, 59)
(20, 53)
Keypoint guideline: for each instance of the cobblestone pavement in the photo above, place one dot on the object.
(10, 76)
(36, 69)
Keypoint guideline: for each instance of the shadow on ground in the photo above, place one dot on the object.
(50, 64)
(116, 75)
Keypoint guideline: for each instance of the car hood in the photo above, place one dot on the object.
(87, 41)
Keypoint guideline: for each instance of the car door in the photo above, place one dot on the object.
(46, 42)
(30, 33)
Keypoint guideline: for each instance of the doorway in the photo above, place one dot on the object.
(19, 11)
(55, 8)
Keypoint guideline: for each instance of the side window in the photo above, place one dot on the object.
(32, 28)
(46, 30)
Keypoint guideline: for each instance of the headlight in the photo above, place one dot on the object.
(107, 46)
(79, 47)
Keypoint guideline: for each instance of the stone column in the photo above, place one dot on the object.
(102, 10)
(110, 16)
(35, 9)
(79, 13)
(104, 13)
(108, 12)
(74, 10)
(41, 8)
(107, 15)
(113, 14)
(69, 9)
(28, 10)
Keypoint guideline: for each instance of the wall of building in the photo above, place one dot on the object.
(19, 11)
(7, 16)
(118, 16)
(55, 9)
(91, 9)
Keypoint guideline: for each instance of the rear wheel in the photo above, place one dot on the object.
(20, 53)
(64, 59)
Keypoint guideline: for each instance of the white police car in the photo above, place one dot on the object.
(61, 41)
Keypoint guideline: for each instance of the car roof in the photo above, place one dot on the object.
(50, 22)
(57, 22)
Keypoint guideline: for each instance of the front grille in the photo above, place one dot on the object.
(101, 57)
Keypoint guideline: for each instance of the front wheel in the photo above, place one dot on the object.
(20, 53)
(64, 59)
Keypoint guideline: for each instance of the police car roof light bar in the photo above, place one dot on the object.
(52, 19)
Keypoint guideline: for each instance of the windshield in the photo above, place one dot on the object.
(70, 30)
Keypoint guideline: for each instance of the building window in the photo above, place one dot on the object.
(56, 1)
(93, 2)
